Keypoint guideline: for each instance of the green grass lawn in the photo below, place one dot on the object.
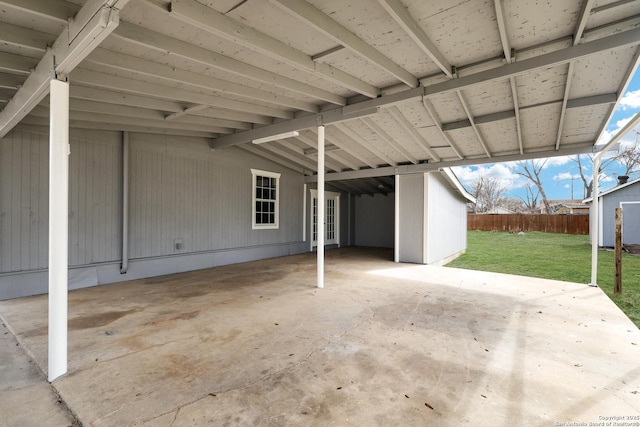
(552, 256)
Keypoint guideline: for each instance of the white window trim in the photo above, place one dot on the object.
(254, 226)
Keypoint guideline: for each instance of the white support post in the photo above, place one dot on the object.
(396, 224)
(320, 213)
(58, 226)
(595, 234)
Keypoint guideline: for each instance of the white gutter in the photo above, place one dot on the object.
(597, 160)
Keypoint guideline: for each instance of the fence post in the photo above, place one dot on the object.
(617, 285)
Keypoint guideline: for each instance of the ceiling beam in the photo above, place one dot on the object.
(428, 167)
(330, 151)
(291, 156)
(402, 16)
(34, 42)
(396, 145)
(364, 144)
(300, 123)
(88, 116)
(119, 61)
(413, 132)
(561, 56)
(43, 9)
(509, 55)
(11, 81)
(345, 146)
(346, 38)
(18, 64)
(476, 129)
(582, 21)
(92, 24)
(79, 124)
(144, 113)
(428, 106)
(547, 60)
(213, 22)
(577, 36)
(589, 101)
(140, 87)
(177, 48)
(273, 157)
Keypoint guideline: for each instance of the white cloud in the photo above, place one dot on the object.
(607, 135)
(558, 161)
(630, 100)
(503, 172)
(563, 176)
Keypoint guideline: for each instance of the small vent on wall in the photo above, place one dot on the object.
(177, 245)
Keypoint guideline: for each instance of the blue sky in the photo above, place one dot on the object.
(559, 171)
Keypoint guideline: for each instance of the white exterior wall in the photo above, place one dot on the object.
(446, 221)
(432, 219)
(411, 217)
(179, 189)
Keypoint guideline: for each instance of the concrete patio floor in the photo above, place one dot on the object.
(382, 344)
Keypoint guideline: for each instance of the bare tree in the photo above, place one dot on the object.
(531, 197)
(531, 169)
(488, 193)
(629, 157)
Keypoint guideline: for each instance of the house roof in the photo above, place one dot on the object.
(403, 86)
(457, 185)
(614, 189)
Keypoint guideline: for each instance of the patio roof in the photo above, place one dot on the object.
(402, 86)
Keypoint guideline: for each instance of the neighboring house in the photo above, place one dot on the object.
(565, 207)
(499, 210)
(626, 196)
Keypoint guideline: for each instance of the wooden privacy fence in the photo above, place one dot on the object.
(514, 223)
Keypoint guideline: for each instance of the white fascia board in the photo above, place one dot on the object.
(453, 179)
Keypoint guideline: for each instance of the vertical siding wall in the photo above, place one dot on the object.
(446, 220)
(630, 217)
(179, 189)
(374, 220)
(94, 200)
(411, 216)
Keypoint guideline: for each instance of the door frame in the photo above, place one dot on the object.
(328, 195)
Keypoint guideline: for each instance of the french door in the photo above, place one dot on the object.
(331, 218)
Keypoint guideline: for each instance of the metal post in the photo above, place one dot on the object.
(320, 213)
(58, 226)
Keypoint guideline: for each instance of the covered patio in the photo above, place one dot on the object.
(382, 344)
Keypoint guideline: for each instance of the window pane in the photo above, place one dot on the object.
(258, 218)
(272, 218)
(271, 206)
(273, 193)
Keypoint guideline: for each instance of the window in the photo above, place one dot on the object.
(266, 195)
